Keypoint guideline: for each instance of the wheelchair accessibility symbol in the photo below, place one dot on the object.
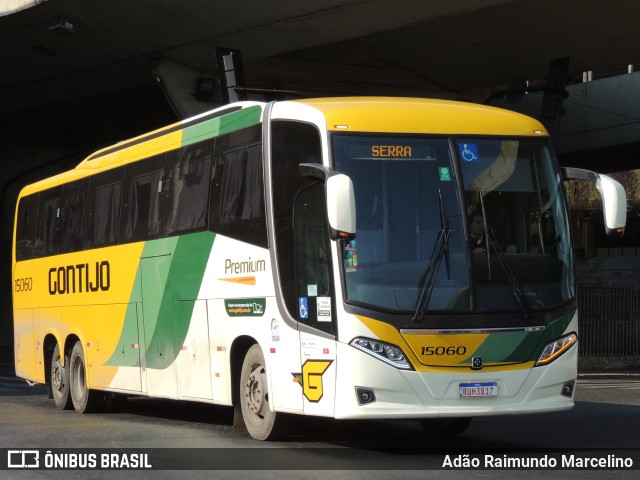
(469, 152)
(303, 307)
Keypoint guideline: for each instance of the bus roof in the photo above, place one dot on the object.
(349, 114)
(180, 134)
(417, 115)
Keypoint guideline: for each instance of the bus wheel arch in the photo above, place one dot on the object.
(69, 342)
(48, 345)
(239, 349)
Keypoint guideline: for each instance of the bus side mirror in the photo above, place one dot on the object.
(614, 198)
(341, 200)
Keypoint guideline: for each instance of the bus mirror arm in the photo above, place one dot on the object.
(614, 198)
(316, 170)
(340, 198)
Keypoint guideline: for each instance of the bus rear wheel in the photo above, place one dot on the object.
(60, 380)
(261, 422)
(84, 400)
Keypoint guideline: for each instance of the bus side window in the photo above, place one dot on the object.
(72, 216)
(103, 209)
(186, 193)
(237, 207)
(26, 227)
(47, 227)
(141, 200)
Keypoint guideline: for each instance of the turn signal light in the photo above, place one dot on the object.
(556, 348)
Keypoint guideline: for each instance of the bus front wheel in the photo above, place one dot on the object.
(84, 400)
(60, 380)
(261, 422)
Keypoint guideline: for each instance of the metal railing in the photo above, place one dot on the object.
(609, 321)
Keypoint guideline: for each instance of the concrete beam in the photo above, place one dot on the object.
(599, 113)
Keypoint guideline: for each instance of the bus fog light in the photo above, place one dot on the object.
(365, 395)
(556, 348)
(567, 389)
(382, 351)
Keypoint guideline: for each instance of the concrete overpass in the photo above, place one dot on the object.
(81, 74)
(60, 50)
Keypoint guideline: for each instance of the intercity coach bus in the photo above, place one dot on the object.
(309, 257)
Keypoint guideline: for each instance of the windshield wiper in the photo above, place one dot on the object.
(504, 265)
(440, 250)
(492, 245)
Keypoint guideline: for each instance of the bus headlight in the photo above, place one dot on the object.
(557, 347)
(382, 351)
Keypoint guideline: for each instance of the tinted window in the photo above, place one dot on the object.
(237, 187)
(103, 209)
(47, 228)
(72, 216)
(409, 253)
(293, 143)
(186, 191)
(311, 250)
(141, 200)
(26, 227)
(514, 198)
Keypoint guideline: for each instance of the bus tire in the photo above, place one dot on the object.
(261, 422)
(445, 427)
(59, 380)
(84, 400)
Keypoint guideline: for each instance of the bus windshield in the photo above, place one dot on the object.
(499, 245)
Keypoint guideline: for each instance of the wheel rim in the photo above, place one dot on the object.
(57, 376)
(256, 393)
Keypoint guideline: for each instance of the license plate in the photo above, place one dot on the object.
(483, 389)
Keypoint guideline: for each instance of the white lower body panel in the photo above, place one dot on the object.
(410, 394)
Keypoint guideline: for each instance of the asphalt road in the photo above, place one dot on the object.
(605, 420)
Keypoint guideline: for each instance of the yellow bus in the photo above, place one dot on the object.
(312, 257)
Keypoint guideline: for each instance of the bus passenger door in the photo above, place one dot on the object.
(316, 309)
(194, 361)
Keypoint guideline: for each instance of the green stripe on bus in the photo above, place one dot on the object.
(518, 347)
(498, 347)
(244, 118)
(168, 279)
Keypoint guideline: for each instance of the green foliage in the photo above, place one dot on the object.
(583, 195)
